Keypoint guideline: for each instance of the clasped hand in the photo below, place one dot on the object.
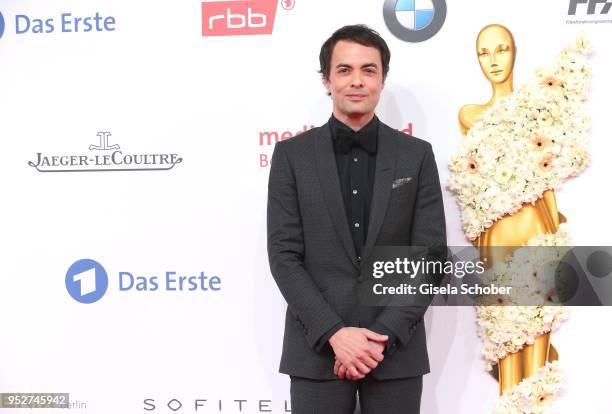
(358, 351)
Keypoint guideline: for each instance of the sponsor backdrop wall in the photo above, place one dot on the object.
(137, 135)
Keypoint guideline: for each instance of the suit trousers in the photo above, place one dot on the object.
(395, 396)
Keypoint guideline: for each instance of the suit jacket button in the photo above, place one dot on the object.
(391, 350)
(360, 278)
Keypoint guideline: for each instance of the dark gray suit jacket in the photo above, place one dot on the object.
(313, 259)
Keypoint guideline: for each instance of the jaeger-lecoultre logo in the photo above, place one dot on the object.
(104, 157)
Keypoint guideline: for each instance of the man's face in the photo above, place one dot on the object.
(355, 79)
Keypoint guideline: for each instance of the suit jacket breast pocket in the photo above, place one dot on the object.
(403, 188)
(398, 217)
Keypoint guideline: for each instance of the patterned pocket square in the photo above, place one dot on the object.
(398, 182)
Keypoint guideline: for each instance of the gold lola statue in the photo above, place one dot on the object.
(496, 54)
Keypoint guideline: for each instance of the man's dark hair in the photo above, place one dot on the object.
(358, 33)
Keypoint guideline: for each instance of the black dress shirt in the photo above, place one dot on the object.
(356, 170)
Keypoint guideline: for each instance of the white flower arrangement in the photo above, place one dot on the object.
(530, 271)
(506, 329)
(533, 395)
(525, 144)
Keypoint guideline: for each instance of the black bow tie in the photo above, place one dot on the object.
(345, 140)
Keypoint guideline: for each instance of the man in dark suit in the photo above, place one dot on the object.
(334, 193)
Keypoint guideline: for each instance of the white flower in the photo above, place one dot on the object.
(503, 175)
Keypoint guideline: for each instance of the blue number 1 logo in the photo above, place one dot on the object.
(1, 25)
(86, 281)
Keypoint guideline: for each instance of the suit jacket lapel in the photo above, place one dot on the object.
(386, 156)
(330, 183)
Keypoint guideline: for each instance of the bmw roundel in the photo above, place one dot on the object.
(414, 20)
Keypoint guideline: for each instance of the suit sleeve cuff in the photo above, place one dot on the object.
(323, 340)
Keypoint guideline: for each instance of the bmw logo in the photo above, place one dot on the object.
(1, 25)
(414, 20)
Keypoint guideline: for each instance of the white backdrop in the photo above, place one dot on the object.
(158, 86)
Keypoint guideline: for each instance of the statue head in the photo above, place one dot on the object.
(496, 52)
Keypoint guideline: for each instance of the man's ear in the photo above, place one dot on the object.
(327, 86)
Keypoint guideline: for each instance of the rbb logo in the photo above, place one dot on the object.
(236, 18)
(287, 4)
(239, 21)
(591, 5)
